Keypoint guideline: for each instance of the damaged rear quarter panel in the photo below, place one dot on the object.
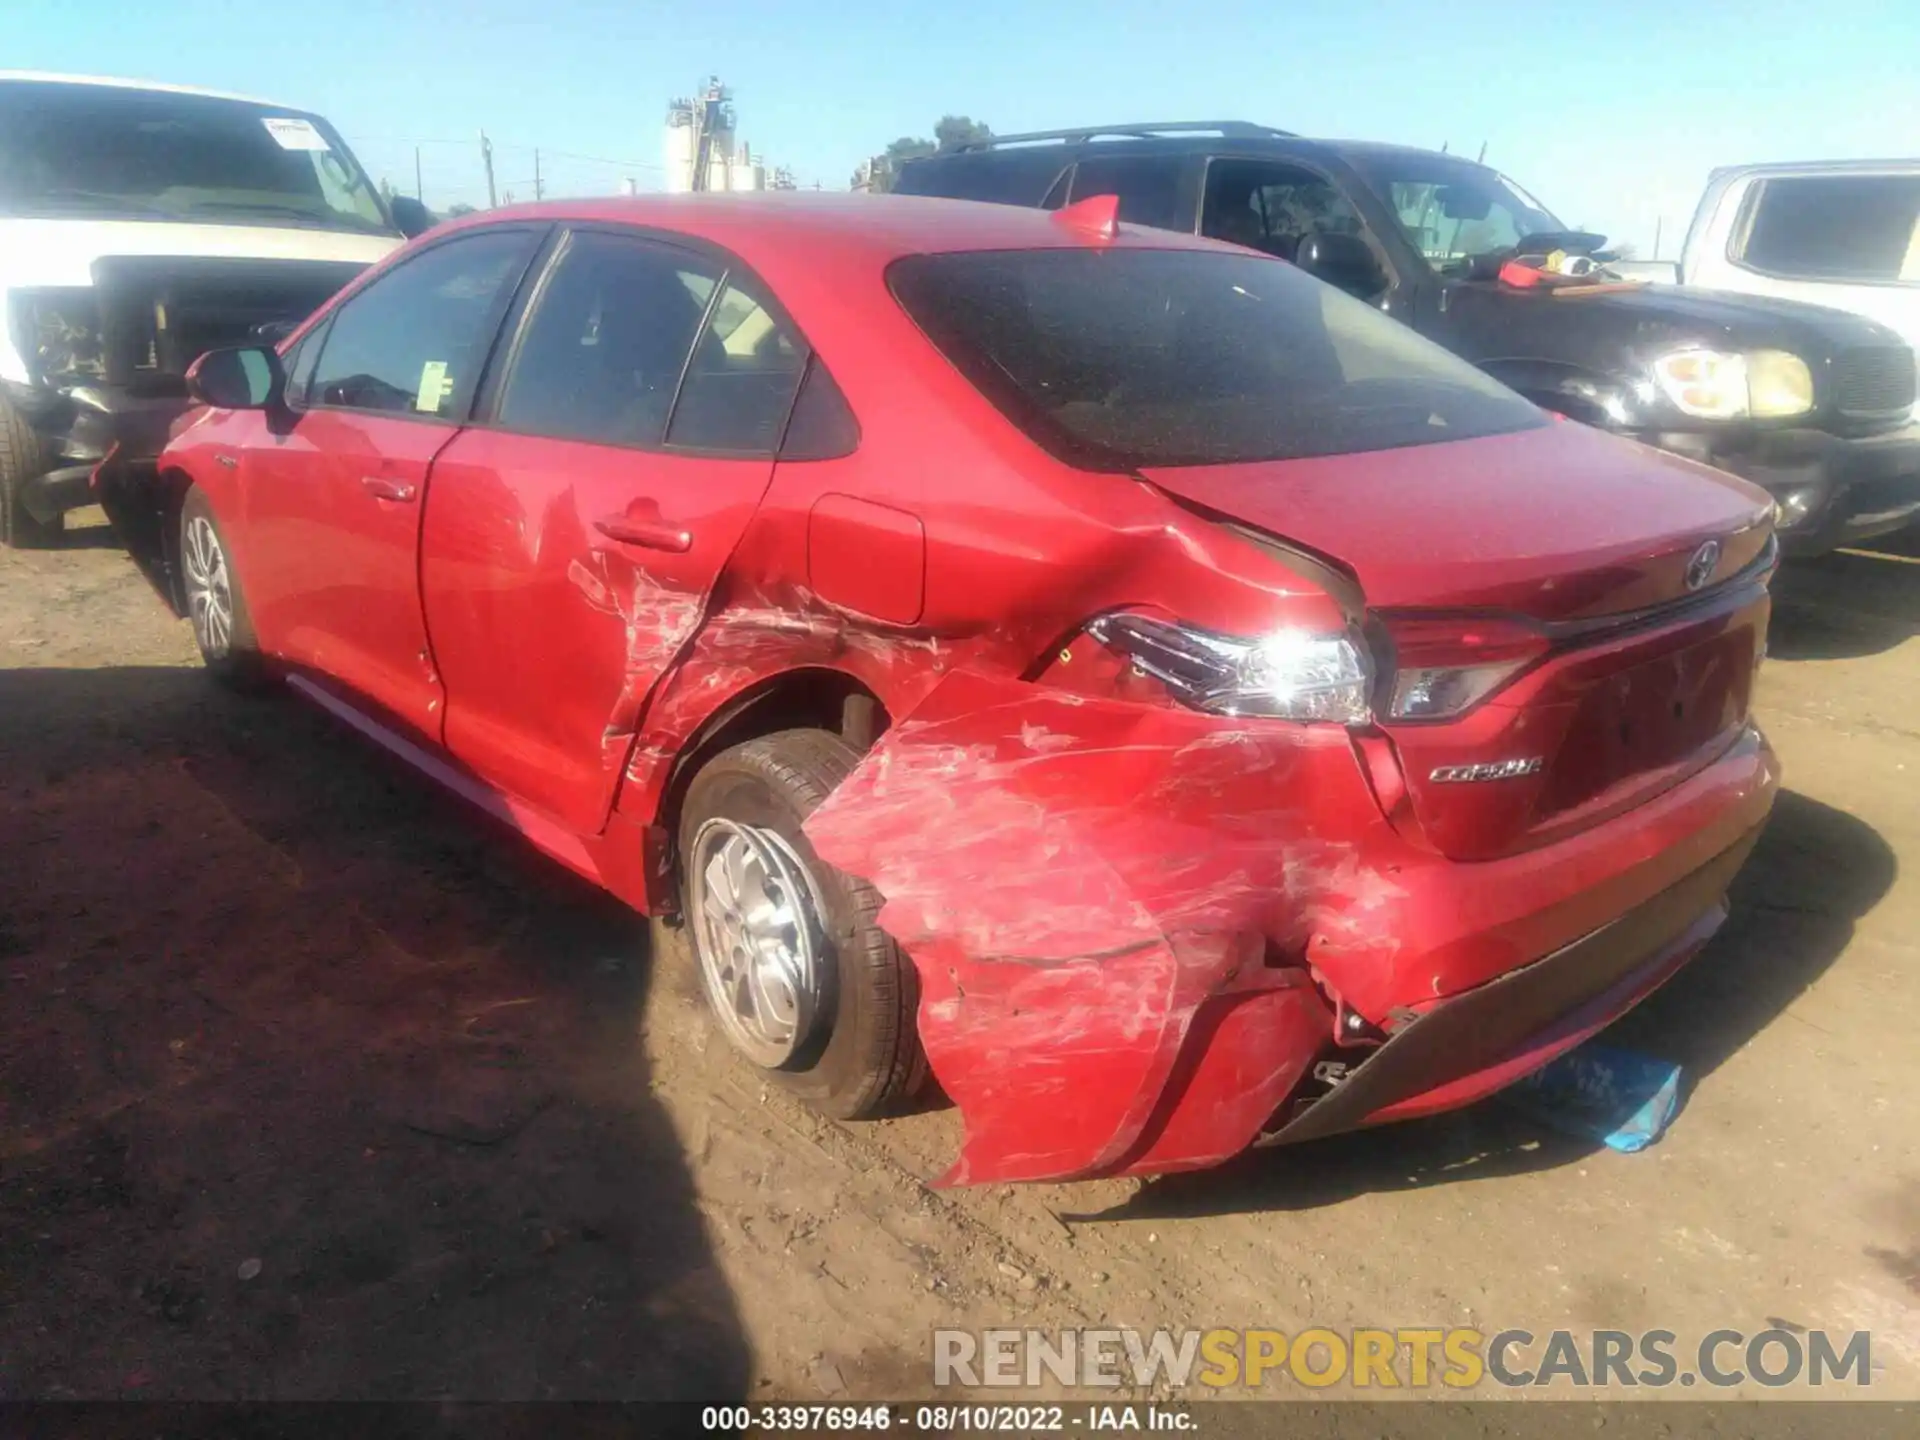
(1089, 887)
(1092, 892)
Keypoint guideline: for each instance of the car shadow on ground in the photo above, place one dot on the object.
(86, 537)
(1845, 605)
(1815, 872)
(312, 1083)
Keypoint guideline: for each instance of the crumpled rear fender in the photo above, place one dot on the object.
(1109, 905)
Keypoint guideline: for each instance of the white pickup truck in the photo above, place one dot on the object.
(141, 225)
(1840, 233)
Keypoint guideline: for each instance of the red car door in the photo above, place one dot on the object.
(333, 499)
(574, 534)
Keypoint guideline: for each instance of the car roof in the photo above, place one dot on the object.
(111, 82)
(1195, 142)
(1819, 167)
(760, 225)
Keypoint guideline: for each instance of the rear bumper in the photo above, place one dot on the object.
(1832, 490)
(1138, 943)
(1480, 1042)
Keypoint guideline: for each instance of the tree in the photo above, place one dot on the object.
(455, 211)
(953, 131)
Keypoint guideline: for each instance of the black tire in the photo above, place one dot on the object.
(864, 1056)
(22, 456)
(230, 652)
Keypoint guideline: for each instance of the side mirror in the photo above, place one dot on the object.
(410, 216)
(1343, 261)
(246, 377)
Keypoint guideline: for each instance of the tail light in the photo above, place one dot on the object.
(1443, 667)
(1286, 674)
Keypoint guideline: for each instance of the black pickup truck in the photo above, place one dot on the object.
(1815, 405)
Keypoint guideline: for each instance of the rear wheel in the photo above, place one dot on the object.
(22, 457)
(213, 600)
(801, 980)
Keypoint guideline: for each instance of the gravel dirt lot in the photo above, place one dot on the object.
(313, 1084)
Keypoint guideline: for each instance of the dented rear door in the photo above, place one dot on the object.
(572, 542)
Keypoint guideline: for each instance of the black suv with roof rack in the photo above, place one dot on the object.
(1815, 405)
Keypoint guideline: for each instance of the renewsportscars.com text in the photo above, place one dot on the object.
(1410, 1358)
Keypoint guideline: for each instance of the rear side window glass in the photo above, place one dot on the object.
(1273, 208)
(823, 426)
(1118, 359)
(1148, 187)
(602, 353)
(741, 379)
(1835, 227)
(413, 341)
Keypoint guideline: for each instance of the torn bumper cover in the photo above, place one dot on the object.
(1140, 930)
(110, 358)
(81, 426)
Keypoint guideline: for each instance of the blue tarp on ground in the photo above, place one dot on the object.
(1622, 1099)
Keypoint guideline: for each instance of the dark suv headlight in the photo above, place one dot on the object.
(57, 332)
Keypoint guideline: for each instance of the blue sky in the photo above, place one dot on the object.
(1611, 114)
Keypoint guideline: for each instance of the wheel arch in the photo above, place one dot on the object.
(170, 486)
(813, 697)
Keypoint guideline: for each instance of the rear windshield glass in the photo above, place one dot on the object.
(1120, 359)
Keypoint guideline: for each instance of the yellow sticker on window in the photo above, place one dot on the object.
(435, 386)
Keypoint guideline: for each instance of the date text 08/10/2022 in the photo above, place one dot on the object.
(944, 1419)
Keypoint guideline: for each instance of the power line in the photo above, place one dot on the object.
(500, 145)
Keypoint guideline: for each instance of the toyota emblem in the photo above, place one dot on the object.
(1704, 562)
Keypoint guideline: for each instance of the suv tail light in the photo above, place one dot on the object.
(1287, 675)
(1443, 667)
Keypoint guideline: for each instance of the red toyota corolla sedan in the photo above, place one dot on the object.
(1166, 697)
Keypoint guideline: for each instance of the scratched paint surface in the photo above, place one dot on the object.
(1087, 886)
(1133, 923)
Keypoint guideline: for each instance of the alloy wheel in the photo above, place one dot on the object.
(754, 913)
(209, 589)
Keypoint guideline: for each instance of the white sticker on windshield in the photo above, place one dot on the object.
(293, 134)
(435, 386)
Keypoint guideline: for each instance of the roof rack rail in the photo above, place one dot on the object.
(1230, 129)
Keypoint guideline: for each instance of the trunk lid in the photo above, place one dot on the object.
(1558, 523)
(1596, 552)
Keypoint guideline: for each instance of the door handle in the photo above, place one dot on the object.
(383, 489)
(650, 534)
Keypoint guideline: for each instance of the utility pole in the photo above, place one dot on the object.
(486, 158)
(418, 193)
(536, 175)
(1656, 235)
(1481, 158)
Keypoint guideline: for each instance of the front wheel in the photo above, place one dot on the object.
(213, 600)
(22, 457)
(801, 980)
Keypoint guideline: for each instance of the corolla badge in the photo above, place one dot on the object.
(1488, 770)
(1701, 566)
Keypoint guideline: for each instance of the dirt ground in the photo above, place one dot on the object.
(314, 1085)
